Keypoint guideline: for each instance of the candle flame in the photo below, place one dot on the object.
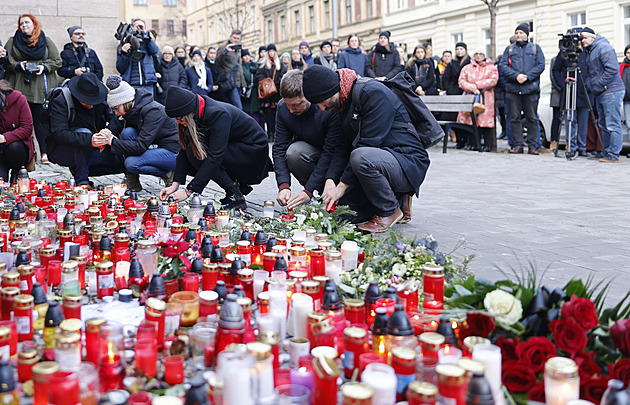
(447, 349)
(110, 351)
(454, 324)
(302, 369)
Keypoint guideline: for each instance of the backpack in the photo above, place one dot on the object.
(50, 96)
(423, 124)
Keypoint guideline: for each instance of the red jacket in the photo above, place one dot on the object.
(16, 122)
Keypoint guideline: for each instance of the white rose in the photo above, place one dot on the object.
(300, 218)
(399, 269)
(503, 306)
(314, 216)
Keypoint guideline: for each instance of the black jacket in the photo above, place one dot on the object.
(380, 109)
(73, 57)
(315, 127)
(380, 62)
(173, 74)
(559, 74)
(216, 73)
(62, 131)
(423, 73)
(153, 125)
(236, 146)
(450, 80)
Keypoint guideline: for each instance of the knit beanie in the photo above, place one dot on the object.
(304, 43)
(319, 83)
(72, 29)
(324, 43)
(462, 44)
(385, 34)
(180, 102)
(271, 46)
(168, 49)
(262, 48)
(523, 27)
(588, 32)
(120, 92)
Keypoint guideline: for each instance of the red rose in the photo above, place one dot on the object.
(582, 310)
(537, 393)
(535, 352)
(478, 325)
(518, 377)
(593, 389)
(508, 347)
(620, 333)
(587, 365)
(620, 370)
(568, 335)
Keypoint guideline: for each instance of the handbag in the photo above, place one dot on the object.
(479, 106)
(30, 166)
(267, 87)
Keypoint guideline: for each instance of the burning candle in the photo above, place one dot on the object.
(562, 381)
(433, 283)
(303, 377)
(449, 355)
(111, 372)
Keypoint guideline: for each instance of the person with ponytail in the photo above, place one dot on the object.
(30, 68)
(219, 142)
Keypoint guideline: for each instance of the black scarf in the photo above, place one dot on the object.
(297, 65)
(22, 41)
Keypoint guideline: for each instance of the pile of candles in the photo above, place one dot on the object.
(259, 320)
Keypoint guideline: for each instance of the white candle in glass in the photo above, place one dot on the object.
(349, 255)
(562, 381)
(301, 305)
(266, 323)
(259, 281)
(222, 219)
(490, 356)
(382, 379)
(278, 308)
(449, 355)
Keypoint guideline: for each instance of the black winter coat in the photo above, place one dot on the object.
(73, 57)
(526, 58)
(380, 109)
(62, 131)
(381, 63)
(216, 73)
(559, 74)
(422, 72)
(153, 125)
(236, 146)
(450, 80)
(173, 74)
(317, 128)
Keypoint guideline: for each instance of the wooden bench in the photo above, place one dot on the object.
(453, 104)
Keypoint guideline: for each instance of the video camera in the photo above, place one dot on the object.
(127, 35)
(570, 44)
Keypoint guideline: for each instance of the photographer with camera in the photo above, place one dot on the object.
(228, 60)
(30, 68)
(135, 55)
(602, 78)
(77, 57)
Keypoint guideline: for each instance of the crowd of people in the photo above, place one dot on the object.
(211, 114)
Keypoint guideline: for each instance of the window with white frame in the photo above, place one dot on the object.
(202, 34)
(283, 28)
(311, 18)
(270, 31)
(327, 13)
(577, 19)
(459, 37)
(486, 42)
(348, 11)
(399, 4)
(369, 4)
(297, 23)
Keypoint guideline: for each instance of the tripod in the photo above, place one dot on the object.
(574, 74)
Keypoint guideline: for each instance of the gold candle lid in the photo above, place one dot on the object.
(66, 340)
(104, 266)
(472, 366)
(357, 391)
(325, 352)
(423, 388)
(11, 277)
(449, 370)
(69, 266)
(23, 301)
(25, 269)
(432, 338)
(261, 350)
(94, 325)
(432, 270)
(354, 303)
(269, 337)
(156, 304)
(45, 368)
(79, 259)
(71, 325)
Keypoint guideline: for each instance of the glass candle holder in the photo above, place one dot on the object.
(111, 372)
(173, 370)
(191, 282)
(64, 388)
(202, 339)
(146, 356)
(154, 312)
(190, 301)
(562, 381)
(23, 316)
(490, 356)
(42, 373)
(208, 304)
(147, 256)
(92, 339)
(451, 383)
(293, 394)
(209, 276)
(68, 351)
(54, 272)
(433, 284)
(172, 317)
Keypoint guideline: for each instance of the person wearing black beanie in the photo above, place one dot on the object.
(326, 57)
(380, 164)
(220, 143)
(521, 65)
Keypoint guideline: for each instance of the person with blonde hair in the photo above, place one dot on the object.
(297, 60)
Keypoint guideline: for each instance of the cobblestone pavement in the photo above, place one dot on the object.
(566, 219)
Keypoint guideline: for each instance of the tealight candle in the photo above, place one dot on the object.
(449, 355)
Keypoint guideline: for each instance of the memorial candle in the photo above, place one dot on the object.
(325, 381)
(146, 356)
(173, 370)
(111, 372)
(92, 340)
(562, 381)
(23, 316)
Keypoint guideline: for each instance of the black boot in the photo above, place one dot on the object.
(233, 200)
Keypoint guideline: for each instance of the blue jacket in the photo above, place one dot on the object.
(602, 68)
(138, 73)
(193, 79)
(353, 59)
(526, 58)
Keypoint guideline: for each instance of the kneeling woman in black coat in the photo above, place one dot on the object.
(219, 143)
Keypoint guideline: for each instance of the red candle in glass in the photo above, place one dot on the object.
(368, 358)
(40, 276)
(146, 330)
(257, 254)
(154, 312)
(27, 276)
(72, 306)
(146, 356)
(244, 250)
(208, 303)
(65, 235)
(191, 282)
(54, 272)
(404, 363)
(92, 340)
(325, 382)
(325, 335)
(111, 372)
(433, 283)
(172, 286)
(245, 278)
(355, 344)
(318, 262)
(174, 369)
(354, 311)
(281, 376)
(140, 398)
(8, 295)
(452, 383)
(387, 303)
(63, 388)
(209, 275)
(23, 316)
(82, 260)
(26, 360)
(13, 336)
(104, 279)
(269, 259)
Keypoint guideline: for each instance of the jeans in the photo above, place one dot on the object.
(155, 162)
(148, 87)
(381, 178)
(234, 97)
(85, 162)
(12, 157)
(508, 123)
(609, 108)
(302, 158)
(578, 135)
(528, 103)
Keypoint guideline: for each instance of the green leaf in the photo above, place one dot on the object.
(462, 291)
(575, 287)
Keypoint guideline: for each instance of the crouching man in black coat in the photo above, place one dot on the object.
(382, 162)
(219, 143)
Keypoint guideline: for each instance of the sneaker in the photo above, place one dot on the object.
(133, 182)
(595, 155)
(609, 159)
(45, 158)
(168, 178)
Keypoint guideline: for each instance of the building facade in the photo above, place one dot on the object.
(166, 17)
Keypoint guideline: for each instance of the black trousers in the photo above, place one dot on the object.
(40, 132)
(12, 157)
(270, 120)
(528, 104)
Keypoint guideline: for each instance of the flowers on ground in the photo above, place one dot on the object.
(503, 306)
